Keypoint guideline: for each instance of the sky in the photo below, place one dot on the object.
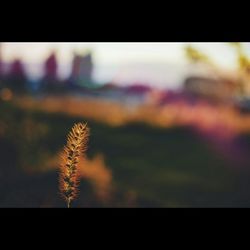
(122, 61)
(115, 52)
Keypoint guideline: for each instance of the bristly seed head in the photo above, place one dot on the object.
(69, 173)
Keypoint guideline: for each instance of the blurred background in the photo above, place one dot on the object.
(169, 123)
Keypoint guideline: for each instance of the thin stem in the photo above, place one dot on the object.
(68, 204)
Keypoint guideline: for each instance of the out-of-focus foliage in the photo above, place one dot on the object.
(242, 74)
(100, 176)
(194, 55)
(242, 57)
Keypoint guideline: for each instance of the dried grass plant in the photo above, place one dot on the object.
(69, 169)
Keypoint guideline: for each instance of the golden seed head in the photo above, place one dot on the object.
(69, 169)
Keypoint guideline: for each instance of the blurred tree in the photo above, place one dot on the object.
(82, 70)
(50, 80)
(75, 69)
(16, 77)
(50, 67)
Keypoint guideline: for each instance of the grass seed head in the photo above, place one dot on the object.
(69, 169)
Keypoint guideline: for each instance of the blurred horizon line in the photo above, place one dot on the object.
(162, 75)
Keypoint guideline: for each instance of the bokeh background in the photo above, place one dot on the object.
(169, 123)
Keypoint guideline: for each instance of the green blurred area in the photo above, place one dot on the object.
(155, 167)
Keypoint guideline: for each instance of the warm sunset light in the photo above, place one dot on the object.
(141, 124)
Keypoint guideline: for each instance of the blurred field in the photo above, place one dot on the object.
(129, 164)
(201, 114)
